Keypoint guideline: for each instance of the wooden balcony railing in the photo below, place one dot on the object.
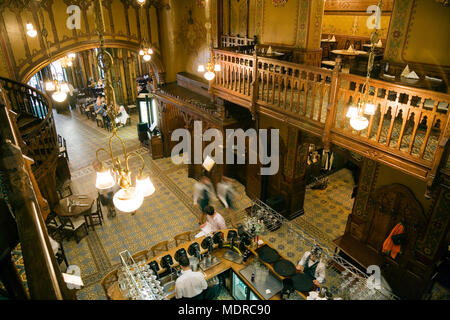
(409, 124)
(233, 41)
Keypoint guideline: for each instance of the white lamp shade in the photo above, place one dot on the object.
(145, 186)
(370, 109)
(359, 123)
(201, 68)
(69, 63)
(209, 163)
(104, 180)
(147, 57)
(217, 67)
(50, 86)
(32, 33)
(141, 52)
(209, 75)
(59, 96)
(352, 112)
(65, 87)
(30, 26)
(72, 55)
(150, 51)
(128, 200)
(141, 2)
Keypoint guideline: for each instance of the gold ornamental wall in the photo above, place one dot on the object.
(21, 56)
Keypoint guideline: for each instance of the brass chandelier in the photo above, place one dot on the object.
(145, 50)
(357, 113)
(129, 198)
(209, 72)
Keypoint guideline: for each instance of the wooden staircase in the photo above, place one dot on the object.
(36, 129)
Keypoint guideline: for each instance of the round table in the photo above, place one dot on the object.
(347, 56)
(83, 207)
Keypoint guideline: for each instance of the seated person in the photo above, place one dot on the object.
(311, 265)
(99, 107)
(190, 285)
(123, 116)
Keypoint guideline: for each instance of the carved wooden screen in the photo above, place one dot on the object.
(390, 205)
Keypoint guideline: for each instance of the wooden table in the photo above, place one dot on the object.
(348, 57)
(63, 211)
(423, 83)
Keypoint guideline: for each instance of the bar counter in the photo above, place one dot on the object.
(224, 264)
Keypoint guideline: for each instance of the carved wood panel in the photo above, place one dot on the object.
(390, 205)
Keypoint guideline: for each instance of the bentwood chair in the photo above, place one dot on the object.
(160, 248)
(110, 285)
(182, 238)
(95, 213)
(71, 227)
(141, 255)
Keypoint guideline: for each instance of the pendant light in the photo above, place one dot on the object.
(31, 32)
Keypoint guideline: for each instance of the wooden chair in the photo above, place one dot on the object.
(141, 255)
(71, 227)
(54, 226)
(63, 147)
(96, 214)
(108, 281)
(182, 238)
(61, 255)
(160, 248)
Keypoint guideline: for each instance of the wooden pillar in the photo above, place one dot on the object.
(123, 76)
(83, 70)
(90, 62)
(293, 185)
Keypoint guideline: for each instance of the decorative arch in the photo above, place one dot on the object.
(156, 62)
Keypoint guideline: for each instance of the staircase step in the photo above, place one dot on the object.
(26, 123)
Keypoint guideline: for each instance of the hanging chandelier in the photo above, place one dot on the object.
(129, 198)
(209, 71)
(58, 88)
(67, 61)
(31, 32)
(211, 67)
(357, 112)
(145, 51)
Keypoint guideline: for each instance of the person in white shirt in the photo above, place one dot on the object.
(190, 285)
(122, 117)
(214, 219)
(225, 192)
(311, 265)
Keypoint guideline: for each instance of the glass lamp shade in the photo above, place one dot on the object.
(59, 96)
(50, 86)
(370, 109)
(217, 67)
(141, 52)
(359, 122)
(145, 185)
(201, 68)
(209, 75)
(141, 2)
(150, 51)
(128, 200)
(65, 87)
(72, 55)
(32, 33)
(352, 112)
(69, 63)
(30, 26)
(147, 57)
(104, 180)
